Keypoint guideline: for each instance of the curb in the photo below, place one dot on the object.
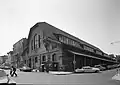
(60, 73)
(116, 77)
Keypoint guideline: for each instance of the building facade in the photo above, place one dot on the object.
(50, 45)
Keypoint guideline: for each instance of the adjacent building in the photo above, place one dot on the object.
(18, 48)
(47, 44)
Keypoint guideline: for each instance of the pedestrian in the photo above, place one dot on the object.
(47, 68)
(117, 71)
(14, 71)
(11, 71)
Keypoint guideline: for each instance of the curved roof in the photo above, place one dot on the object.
(49, 31)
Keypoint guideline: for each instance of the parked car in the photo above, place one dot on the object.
(5, 79)
(26, 69)
(104, 65)
(100, 67)
(35, 70)
(115, 66)
(1, 67)
(88, 69)
(79, 70)
(118, 65)
(110, 67)
(5, 67)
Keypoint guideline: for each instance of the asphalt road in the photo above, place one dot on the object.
(34, 78)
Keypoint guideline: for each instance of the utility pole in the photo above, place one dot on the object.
(74, 62)
(118, 69)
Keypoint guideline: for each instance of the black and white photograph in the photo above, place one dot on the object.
(60, 42)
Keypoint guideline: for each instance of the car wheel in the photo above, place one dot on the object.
(12, 83)
(96, 71)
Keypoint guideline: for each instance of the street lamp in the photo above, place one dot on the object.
(74, 62)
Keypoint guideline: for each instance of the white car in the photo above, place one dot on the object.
(5, 79)
(79, 70)
(88, 69)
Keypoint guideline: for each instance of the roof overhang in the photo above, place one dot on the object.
(76, 53)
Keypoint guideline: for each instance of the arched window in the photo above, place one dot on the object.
(43, 58)
(36, 59)
(36, 41)
(54, 57)
(32, 45)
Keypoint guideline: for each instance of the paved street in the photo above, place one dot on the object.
(103, 78)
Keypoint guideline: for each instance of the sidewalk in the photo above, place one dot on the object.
(60, 72)
(116, 77)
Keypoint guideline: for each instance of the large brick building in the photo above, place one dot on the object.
(48, 44)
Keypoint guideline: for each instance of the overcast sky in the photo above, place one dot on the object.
(94, 21)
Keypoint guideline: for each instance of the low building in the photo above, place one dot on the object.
(50, 45)
(3, 58)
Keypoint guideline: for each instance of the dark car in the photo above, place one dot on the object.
(26, 69)
(100, 67)
(5, 79)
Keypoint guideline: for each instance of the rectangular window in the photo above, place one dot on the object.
(32, 45)
(73, 43)
(88, 49)
(34, 41)
(39, 40)
(54, 45)
(98, 52)
(54, 57)
(60, 39)
(25, 61)
(67, 40)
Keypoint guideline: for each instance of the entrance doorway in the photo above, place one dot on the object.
(30, 62)
(79, 61)
(55, 66)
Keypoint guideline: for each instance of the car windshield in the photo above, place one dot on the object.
(25, 67)
(97, 66)
(2, 73)
(87, 67)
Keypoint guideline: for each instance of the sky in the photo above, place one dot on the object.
(94, 21)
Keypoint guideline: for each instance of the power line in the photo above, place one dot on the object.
(115, 42)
